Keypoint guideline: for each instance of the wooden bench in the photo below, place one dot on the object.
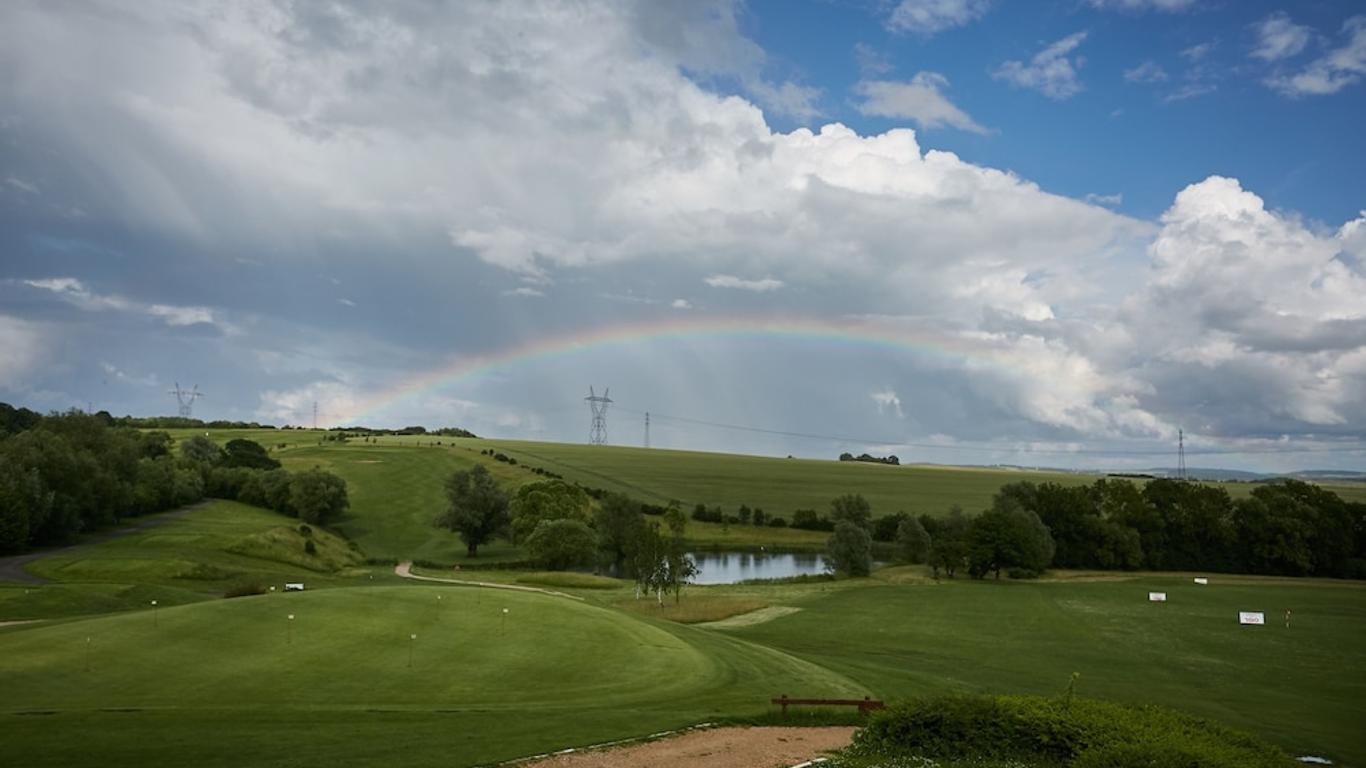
(865, 704)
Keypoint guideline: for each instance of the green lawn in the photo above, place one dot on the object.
(1304, 687)
(236, 682)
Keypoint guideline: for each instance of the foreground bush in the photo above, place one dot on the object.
(1034, 731)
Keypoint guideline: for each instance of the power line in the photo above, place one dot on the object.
(996, 448)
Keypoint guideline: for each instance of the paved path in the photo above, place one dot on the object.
(405, 569)
(711, 748)
(12, 567)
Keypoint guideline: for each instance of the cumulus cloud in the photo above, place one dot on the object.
(926, 17)
(921, 100)
(681, 304)
(730, 281)
(1050, 72)
(1279, 38)
(1251, 321)
(1339, 68)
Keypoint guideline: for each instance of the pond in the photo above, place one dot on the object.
(732, 567)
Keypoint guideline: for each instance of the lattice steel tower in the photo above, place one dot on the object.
(597, 435)
(1181, 454)
(186, 398)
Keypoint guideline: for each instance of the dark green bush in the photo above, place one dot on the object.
(1081, 733)
(305, 530)
(310, 547)
(245, 589)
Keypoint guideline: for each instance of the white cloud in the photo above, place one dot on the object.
(921, 100)
(927, 17)
(336, 401)
(1198, 51)
(1190, 90)
(681, 304)
(1339, 68)
(1108, 200)
(1168, 6)
(525, 291)
(731, 281)
(871, 61)
(887, 401)
(1050, 72)
(1147, 72)
(346, 302)
(21, 185)
(75, 292)
(1279, 38)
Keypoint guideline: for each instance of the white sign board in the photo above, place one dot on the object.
(1201, 580)
(1251, 617)
(1157, 597)
(294, 586)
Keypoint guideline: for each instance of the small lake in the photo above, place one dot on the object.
(731, 567)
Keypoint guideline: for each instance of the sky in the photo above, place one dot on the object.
(960, 231)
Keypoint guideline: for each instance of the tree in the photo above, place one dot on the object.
(1010, 537)
(24, 504)
(618, 522)
(478, 508)
(317, 496)
(535, 503)
(679, 567)
(948, 541)
(560, 544)
(852, 508)
(201, 449)
(885, 528)
(247, 453)
(913, 540)
(849, 550)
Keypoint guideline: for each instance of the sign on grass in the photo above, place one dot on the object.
(1157, 597)
(1201, 580)
(1251, 617)
(294, 586)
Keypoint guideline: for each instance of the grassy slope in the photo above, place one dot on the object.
(218, 678)
(1301, 687)
(193, 557)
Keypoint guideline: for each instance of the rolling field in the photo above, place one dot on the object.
(1302, 687)
(208, 679)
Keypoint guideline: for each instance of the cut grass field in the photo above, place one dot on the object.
(231, 682)
(1302, 687)
(484, 685)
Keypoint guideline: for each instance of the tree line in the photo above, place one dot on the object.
(561, 527)
(65, 474)
(1284, 528)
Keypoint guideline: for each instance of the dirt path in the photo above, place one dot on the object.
(405, 570)
(712, 748)
(12, 567)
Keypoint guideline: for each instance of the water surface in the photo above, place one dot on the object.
(731, 567)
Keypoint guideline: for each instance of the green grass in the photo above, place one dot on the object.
(211, 683)
(1303, 687)
(193, 557)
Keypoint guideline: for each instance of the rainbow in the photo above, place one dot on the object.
(803, 329)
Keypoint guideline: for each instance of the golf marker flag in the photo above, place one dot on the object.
(1251, 617)
(1157, 597)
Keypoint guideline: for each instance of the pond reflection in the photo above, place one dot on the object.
(732, 567)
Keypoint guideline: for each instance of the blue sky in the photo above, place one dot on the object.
(1139, 138)
(1088, 224)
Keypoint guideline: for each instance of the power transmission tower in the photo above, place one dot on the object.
(647, 429)
(597, 435)
(315, 414)
(186, 398)
(1181, 454)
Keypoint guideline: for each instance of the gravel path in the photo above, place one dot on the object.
(713, 748)
(12, 567)
(405, 570)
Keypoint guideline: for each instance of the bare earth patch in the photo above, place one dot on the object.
(713, 748)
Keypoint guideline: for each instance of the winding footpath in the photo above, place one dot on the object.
(405, 570)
